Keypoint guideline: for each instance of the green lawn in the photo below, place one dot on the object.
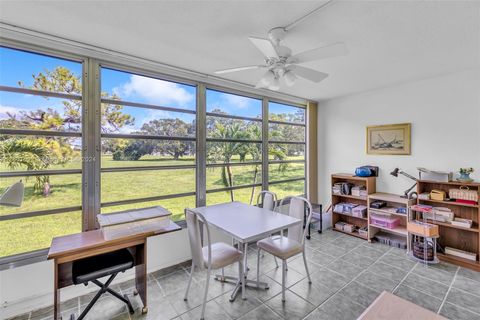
(22, 235)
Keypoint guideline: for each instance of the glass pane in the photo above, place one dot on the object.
(35, 71)
(19, 153)
(284, 171)
(223, 177)
(294, 188)
(45, 192)
(247, 195)
(136, 153)
(227, 103)
(26, 111)
(286, 132)
(28, 234)
(175, 205)
(149, 121)
(284, 112)
(225, 128)
(136, 88)
(118, 186)
(226, 152)
(277, 151)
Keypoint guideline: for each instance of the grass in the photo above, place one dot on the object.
(23, 235)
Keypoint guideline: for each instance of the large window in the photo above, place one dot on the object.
(88, 137)
(234, 147)
(148, 146)
(286, 148)
(41, 113)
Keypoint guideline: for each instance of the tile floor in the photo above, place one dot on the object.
(348, 274)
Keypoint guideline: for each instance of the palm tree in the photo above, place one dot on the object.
(29, 153)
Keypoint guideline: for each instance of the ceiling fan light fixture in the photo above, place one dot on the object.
(290, 78)
(275, 84)
(268, 78)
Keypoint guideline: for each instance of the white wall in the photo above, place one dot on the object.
(445, 116)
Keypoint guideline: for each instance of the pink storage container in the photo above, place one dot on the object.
(384, 221)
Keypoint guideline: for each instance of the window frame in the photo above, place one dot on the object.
(91, 101)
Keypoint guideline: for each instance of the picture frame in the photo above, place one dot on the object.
(390, 139)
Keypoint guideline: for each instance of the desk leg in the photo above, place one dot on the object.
(141, 274)
(56, 293)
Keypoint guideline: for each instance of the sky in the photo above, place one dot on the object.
(18, 65)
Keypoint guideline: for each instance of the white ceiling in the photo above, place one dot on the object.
(390, 42)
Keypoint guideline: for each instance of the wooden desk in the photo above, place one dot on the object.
(388, 306)
(64, 250)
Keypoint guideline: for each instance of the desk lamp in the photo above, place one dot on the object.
(407, 193)
(13, 195)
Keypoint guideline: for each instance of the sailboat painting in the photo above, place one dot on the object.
(392, 139)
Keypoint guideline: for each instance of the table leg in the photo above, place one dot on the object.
(141, 274)
(56, 294)
(321, 220)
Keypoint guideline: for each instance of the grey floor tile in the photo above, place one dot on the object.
(320, 258)
(261, 313)
(264, 295)
(470, 274)
(378, 246)
(358, 260)
(399, 252)
(426, 285)
(451, 311)
(387, 271)
(466, 284)
(24, 316)
(376, 282)
(464, 299)
(329, 279)
(338, 307)
(401, 262)
(299, 266)
(346, 269)
(292, 308)
(360, 293)
(447, 267)
(332, 250)
(419, 298)
(239, 307)
(368, 251)
(348, 243)
(212, 312)
(66, 307)
(106, 308)
(434, 274)
(314, 292)
(173, 281)
(158, 310)
(195, 298)
(292, 276)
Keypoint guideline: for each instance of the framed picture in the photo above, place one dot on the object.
(389, 139)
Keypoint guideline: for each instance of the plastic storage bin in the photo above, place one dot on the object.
(384, 221)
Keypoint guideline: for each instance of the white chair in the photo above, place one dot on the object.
(267, 200)
(212, 256)
(291, 245)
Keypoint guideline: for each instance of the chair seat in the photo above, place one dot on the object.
(281, 247)
(99, 266)
(222, 255)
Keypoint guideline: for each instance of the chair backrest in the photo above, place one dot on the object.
(296, 210)
(193, 227)
(267, 200)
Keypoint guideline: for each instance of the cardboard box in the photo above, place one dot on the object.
(422, 228)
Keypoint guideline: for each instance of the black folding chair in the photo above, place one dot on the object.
(93, 268)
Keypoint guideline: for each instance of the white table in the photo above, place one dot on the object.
(245, 223)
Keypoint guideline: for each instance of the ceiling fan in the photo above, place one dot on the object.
(280, 63)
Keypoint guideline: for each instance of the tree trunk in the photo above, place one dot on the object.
(254, 181)
(230, 182)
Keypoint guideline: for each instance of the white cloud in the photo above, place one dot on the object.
(237, 101)
(8, 109)
(156, 91)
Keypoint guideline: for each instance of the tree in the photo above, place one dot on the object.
(59, 149)
(169, 128)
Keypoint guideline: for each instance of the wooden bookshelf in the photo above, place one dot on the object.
(467, 239)
(392, 201)
(370, 185)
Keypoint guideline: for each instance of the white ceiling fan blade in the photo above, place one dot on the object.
(332, 50)
(239, 69)
(265, 46)
(307, 73)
